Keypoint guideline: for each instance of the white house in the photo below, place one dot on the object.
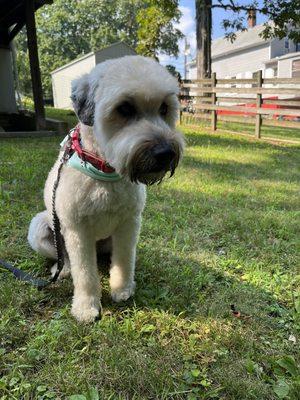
(250, 53)
(63, 76)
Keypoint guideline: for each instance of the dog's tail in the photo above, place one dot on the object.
(40, 236)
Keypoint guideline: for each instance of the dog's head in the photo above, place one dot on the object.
(132, 104)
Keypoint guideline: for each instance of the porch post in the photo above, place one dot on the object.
(34, 66)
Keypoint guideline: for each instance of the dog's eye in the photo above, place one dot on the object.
(126, 109)
(163, 109)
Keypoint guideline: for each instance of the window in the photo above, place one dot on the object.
(297, 46)
(296, 69)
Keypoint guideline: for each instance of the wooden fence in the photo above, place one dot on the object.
(261, 101)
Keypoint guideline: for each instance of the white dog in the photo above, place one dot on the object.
(127, 108)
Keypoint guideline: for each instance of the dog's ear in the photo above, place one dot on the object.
(82, 97)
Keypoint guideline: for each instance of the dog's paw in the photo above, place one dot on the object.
(64, 273)
(124, 293)
(86, 311)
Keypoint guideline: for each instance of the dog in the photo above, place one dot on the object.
(127, 110)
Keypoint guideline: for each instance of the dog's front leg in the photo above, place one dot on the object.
(81, 248)
(124, 241)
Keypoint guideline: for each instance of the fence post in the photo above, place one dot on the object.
(258, 105)
(213, 102)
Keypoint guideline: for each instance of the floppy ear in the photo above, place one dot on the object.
(82, 97)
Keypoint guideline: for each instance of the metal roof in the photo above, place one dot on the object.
(89, 54)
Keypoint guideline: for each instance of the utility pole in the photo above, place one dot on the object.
(186, 53)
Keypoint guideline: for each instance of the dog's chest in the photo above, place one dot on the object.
(103, 203)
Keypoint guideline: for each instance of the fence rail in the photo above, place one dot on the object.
(209, 98)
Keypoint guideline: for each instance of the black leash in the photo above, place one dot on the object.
(58, 237)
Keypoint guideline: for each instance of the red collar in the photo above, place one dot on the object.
(86, 155)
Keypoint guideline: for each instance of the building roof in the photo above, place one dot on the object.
(92, 53)
(295, 54)
(244, 40)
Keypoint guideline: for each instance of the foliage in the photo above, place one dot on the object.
(223, 231)
(156, 27)
(69, 29)
(283, 17)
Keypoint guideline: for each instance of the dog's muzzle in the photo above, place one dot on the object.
(152, 160)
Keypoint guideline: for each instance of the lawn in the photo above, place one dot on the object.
(224, 231)
(267, 132)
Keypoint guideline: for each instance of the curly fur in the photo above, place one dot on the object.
(91, 210)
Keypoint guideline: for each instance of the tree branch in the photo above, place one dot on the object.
(236, 8)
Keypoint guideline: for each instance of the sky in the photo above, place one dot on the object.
(187, 27)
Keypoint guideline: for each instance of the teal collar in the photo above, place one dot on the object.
(85, 166)
(88, 169)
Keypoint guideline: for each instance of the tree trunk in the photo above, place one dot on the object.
(203, 36)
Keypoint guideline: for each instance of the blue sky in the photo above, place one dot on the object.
(187, 27)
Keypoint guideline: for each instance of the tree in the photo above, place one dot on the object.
(203, 36)
(283, 17)
(69, 29)
(283, 21)
(156, 28)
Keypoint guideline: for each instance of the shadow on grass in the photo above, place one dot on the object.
(274, 168)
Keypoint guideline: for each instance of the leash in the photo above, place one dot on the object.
(58, 237)
(72, 146)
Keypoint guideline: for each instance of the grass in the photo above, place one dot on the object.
(275, 132)
(224, 230)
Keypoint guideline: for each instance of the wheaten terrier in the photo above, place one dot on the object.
(127, 108)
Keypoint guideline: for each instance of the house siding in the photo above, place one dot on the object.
(277, 48)
(241, 63)
(285, 67)
(62, 78)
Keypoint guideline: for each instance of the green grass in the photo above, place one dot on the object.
(62, 115)
(275, 132)
(224, 230)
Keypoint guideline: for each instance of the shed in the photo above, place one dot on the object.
(63, 76)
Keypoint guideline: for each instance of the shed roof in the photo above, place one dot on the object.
(83, 57)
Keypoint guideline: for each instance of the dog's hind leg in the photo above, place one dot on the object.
(40, 238)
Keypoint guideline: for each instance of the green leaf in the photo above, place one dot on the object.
(281, 388)
(288, 363)
(41, 388)
(77, 397)
(195, 373)
(148, 328)
(92, 394)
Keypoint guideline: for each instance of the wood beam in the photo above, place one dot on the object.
(16, 29)
(34, 65)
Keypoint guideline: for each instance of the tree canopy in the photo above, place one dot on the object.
(69, 29)
(283, 17)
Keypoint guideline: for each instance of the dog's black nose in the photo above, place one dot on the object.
(163, 154)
